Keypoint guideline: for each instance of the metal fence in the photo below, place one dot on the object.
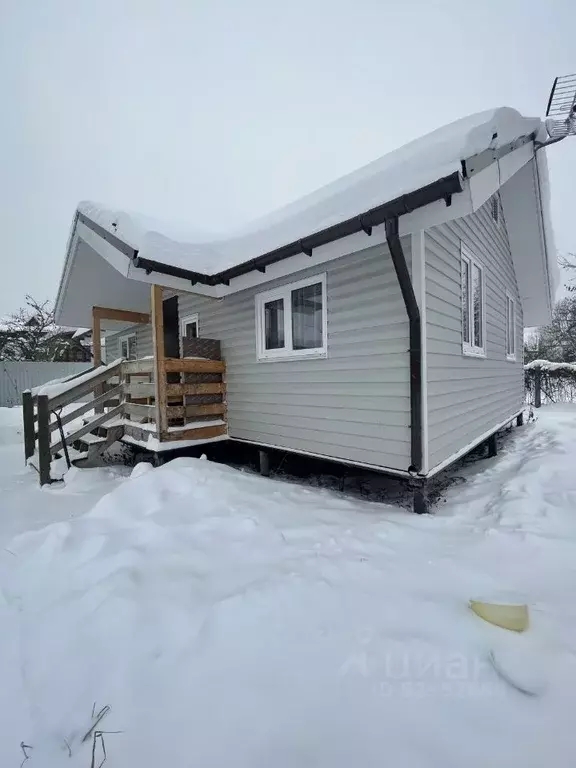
(15, 377)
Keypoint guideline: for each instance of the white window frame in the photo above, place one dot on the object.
(287, 352)
(469, 348)
(126, 337)
(510, 355)
(188, 320)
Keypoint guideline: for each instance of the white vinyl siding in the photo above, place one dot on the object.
(354, 403)
(468, 396)
(143, 334)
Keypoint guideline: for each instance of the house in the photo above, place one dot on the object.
(376, 322)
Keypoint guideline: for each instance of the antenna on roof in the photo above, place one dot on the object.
(561, 112)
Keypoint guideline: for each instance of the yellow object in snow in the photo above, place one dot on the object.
(514, 617)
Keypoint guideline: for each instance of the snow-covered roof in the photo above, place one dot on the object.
(399, 172)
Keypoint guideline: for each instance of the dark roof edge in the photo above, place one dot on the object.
(442, 189)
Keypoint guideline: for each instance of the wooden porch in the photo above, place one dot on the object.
(149, 401)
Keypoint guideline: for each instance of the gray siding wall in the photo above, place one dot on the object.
(469, 396)
(352, 405)
(143, 342)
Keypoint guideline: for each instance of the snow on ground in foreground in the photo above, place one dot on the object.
(228, 619)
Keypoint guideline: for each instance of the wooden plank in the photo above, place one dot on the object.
(97, 422)
(83, 389)
(196, 433)
(44, 456)
(182, 412)
(135, 409)
(215, 388)
(124, 315)
(159, 357)
(96, 339)
(138, 366)
(97, 357)
(29, 427)
(184, 365)
(140, 390)
(87, 406)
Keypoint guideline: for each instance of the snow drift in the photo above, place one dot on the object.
(226, 618)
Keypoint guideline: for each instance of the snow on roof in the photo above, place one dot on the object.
(404, 170)
(81, 332)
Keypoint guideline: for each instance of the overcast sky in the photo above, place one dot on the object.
(215, 112)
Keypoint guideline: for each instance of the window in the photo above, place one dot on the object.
(473, 306)
(189, 327)
(291, 321)
(495, 208)
(128, 347)
(510, 328)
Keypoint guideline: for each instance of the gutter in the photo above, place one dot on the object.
(443, 189)
(415, 351)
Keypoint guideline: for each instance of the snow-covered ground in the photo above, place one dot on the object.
(226, 619)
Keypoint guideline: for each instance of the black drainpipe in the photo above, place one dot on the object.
(403, 275)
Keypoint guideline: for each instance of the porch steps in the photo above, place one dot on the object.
(95, 443)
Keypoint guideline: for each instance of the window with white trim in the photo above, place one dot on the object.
(189, 327)
(510, 328)
(291, 321)
(473, 306)
(128, 346)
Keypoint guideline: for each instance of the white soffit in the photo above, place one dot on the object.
(520, 198)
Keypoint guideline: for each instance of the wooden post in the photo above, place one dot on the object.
(537, 387)
(96, 339)
(29, 427)
(492, 446)
(44, 456)
(419, 496)
(264, 463)
(97, 354)
(159, 356)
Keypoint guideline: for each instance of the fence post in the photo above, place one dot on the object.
(537, 387)
(29, 428)
(44, 456)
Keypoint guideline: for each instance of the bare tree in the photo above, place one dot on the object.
(31, 334)
(568, 263)
(556, 341)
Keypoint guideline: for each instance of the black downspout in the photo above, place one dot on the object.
(403, 275)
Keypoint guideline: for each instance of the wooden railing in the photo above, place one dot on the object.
(38, 410)
(128, 391)
(180, 417)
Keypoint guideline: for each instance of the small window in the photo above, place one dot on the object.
(189, 327)
(495, 206)
(510, 328)
(291, 321)
(473, 305)
(128, 347)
